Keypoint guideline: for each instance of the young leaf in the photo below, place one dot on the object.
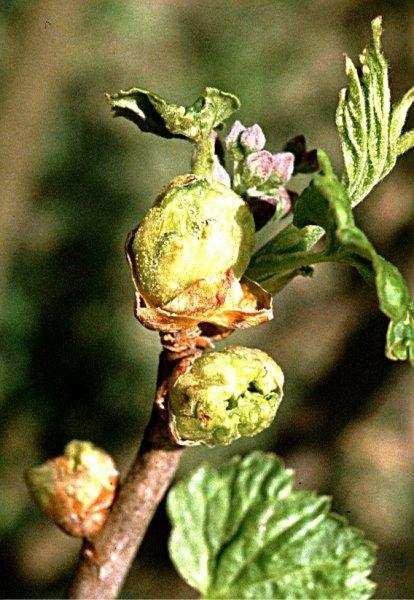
(153, 114)
(325, 202)
(276, 263)
(240, 531)
(370, 131)
(325, 207)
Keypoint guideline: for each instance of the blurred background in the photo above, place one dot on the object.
(75, 363)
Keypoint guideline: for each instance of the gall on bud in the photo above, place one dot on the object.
(77, 489)
(196, 230)
(224, 395)
(188, 256)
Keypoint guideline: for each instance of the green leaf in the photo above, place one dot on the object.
(325, 202)
(276, 262)
(153, 114)
(399, 116)
(240, 531)
(325, 207)
(370, 131)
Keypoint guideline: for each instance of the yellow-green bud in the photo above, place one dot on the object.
(224, 395)
(197, 230)
(77, 489)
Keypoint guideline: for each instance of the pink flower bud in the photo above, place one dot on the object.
(220, 173)
(259, 166)
(233, 135)
(283, 164)
(252, 138)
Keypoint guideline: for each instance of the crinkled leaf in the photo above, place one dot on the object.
(325, 202)
(240, 531)
(372, 138)
(153, 114)
(370, 131)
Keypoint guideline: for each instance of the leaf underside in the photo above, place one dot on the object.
(151, 113)
(240, 531)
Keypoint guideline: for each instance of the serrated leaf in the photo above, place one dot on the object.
(151, 113)
(240, 531)
(399, 116)
(370, 132)
(325, 202)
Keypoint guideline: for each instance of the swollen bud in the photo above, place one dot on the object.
(225, 395)
(76, 490)
(196, 231)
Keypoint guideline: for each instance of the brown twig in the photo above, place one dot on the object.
(105, 560)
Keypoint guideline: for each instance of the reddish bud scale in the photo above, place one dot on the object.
(76, 490)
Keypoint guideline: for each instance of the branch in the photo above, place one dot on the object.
(105, 560)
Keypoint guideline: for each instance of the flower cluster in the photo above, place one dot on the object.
(260, 176)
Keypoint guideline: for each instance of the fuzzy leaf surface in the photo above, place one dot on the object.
(240, 531)
(370, 130)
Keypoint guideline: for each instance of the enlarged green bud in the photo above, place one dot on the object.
(225, 395)
(77, 489)
(196, 231)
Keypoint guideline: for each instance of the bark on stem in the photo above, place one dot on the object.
(105, 560)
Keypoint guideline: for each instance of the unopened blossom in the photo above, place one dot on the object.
(252, 139)
(283, 165)
(232, 137)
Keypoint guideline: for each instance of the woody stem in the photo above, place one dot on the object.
(104, 561)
